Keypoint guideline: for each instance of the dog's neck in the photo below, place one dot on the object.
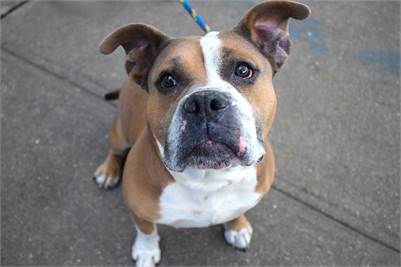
(210, 180)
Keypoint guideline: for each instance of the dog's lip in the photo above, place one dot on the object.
(216, 166)
(209, 143)
(206, 144)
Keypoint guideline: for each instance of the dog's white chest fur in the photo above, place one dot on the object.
(200, 198)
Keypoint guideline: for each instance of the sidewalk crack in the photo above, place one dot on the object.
(57, 75)
(13, 8)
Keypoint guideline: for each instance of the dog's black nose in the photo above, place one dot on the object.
(206, 103)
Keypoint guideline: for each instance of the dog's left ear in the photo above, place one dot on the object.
(141, 43)
(266, 25)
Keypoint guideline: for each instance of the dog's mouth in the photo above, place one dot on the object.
(219, 152)
(211, 155)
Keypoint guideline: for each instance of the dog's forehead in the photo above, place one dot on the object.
(185, 46)
(193, 53)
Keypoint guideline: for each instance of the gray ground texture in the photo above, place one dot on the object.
(336, 137)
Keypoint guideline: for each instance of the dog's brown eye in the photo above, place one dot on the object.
(244, 71)
(167, 81)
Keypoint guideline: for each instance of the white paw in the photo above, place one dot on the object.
(146, 251)
(146, 258)
(239, 239)
(106, 182)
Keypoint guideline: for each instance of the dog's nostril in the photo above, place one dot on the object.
(206, 102)
(217, 104)
(191, 106)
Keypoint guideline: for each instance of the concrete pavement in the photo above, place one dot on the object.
(336, 138)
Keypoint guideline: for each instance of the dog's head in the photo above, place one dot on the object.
(211, 99)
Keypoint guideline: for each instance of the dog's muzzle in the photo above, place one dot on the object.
(208, 133)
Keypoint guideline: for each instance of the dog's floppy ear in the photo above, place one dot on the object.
(141, 43)
(266, 25)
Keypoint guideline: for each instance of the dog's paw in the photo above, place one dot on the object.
(239, 239)
(146, 258)
(106, 182)
(108, 174)
(146, 250)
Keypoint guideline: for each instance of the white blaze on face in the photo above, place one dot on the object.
(211, 45)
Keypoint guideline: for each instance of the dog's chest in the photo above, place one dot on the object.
(212, 197)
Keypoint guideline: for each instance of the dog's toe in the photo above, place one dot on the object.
(239, 239)
(146, 257)
(105, 181)
(145, 261)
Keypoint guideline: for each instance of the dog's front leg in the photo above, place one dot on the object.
(238, 232)
(108, 174)
(146, 250)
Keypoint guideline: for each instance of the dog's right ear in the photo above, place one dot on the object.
(141, 43)
(266, 25)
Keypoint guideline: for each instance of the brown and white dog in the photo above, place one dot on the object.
(194, 114)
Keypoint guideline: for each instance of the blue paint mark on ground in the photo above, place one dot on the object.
(387, 60)
(309, 30)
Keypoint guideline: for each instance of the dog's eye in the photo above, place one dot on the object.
(243, 70)
(167, 81)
